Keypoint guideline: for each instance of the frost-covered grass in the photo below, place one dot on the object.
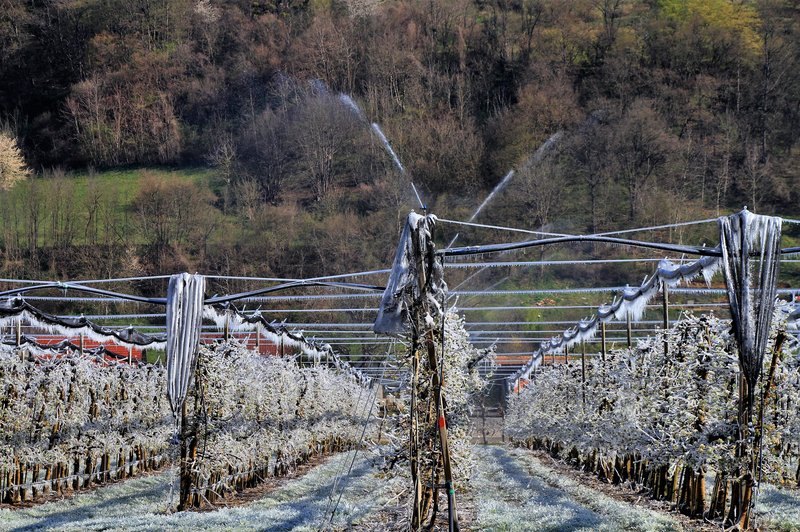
(778, 509)
(515, 491)
(141, 504)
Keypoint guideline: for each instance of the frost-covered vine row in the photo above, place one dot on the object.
(665, 421)
(71, 421)
(253, 416)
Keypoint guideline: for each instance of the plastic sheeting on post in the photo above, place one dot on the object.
(402, 287)
(752, 300)
(185, 297)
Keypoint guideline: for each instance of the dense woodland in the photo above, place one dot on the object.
(669, 109)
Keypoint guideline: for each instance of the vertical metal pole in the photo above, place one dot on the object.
(258, 340)
(666, 318)
(628, 318)
(130, 354)
(81, 343)
(226, 331)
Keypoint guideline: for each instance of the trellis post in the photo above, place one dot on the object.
(416, 280)
(583, 371)
(665, 289)
(603, 342)
(628, 325)
(419, 313)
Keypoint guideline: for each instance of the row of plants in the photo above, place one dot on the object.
(68, 422)
(664, 416)
(72, 421)
(250, 417)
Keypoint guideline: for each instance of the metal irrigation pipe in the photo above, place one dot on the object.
(286, 286)
(490, 248)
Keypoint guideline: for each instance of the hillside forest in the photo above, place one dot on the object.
(202, 135)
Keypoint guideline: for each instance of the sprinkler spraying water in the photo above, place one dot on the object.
(535, 158)
(351, 104)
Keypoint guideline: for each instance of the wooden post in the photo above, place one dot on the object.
(583, 371)
(258, 340)
(226, 331)
(437, 399)
(666, 317)
(603, 341)
(188, 447)
(130, 354)
(19, 332)
(628, 318)
(80, 343)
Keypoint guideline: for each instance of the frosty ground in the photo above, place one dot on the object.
(512, 490)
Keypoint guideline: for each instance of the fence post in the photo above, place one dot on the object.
(666, 318)
(603, 342)
(583, 371)
(628, 318)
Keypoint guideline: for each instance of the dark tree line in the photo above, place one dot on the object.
(667, 107)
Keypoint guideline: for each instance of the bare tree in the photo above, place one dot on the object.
(641, 147)
(322, 134)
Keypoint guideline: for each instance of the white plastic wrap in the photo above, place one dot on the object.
(185, 296)
(403, 286)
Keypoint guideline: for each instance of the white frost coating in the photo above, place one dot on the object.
(752, 299)
(629, 302)
(519, 491)
(185, 296)
(403, 287)
(294, 504)
(238, 321)
(18, 311)
(669, 410)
